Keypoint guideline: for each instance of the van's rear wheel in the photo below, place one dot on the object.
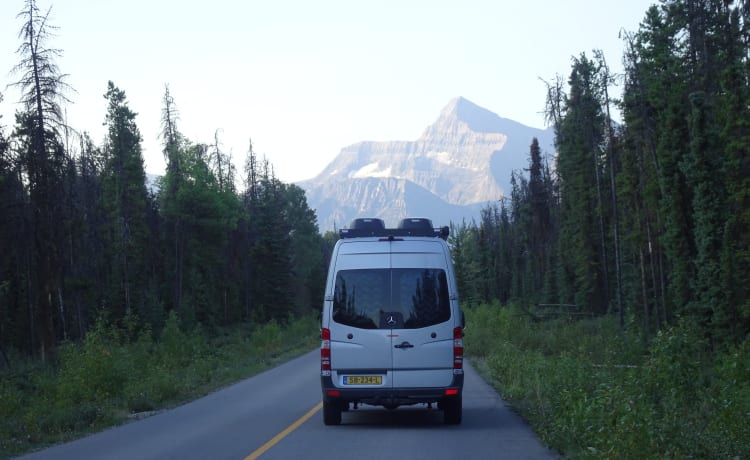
(452, 410)
(331, 412)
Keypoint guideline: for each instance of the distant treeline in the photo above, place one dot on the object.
(82, 236)
(648, 219)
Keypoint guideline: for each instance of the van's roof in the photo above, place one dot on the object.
(409, 227)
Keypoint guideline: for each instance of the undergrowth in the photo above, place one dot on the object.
(592, 391)
(120, 370)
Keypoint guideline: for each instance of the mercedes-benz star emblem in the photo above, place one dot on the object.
(391, 320)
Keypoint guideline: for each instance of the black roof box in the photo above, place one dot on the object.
(367, 224)
(412, 226)
(416, 223)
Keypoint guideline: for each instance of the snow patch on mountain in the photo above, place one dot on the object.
(441, 157)
(371, 170)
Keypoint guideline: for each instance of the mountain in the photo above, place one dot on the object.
(458, 164)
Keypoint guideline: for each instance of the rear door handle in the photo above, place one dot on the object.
(404, 345)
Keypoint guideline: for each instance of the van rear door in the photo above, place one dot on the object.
(360, 348)
(420, 290)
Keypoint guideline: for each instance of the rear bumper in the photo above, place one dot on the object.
(391, 396)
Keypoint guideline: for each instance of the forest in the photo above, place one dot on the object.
(648, 219)
(82, 236)
(607, 296)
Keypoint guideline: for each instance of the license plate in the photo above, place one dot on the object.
(363, 380)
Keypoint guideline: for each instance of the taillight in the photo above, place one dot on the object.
(458, 350)
(325, 352)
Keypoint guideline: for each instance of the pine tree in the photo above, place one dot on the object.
(665, 76)
(171, 185)
(89, 258)
(271, 250)
(13, 311)
(735, 120)
(641, 188)
(541, 231)
(583, 262)
(463, 241)
(43, 161)
(125, 199)
(306, 260)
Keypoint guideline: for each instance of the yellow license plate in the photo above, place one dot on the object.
(363, 380)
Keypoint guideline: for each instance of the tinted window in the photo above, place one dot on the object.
(407, 298)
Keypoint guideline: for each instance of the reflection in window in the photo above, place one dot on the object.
(429, 301)
(417, 297)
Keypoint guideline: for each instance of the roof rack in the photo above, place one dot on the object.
(412, 226)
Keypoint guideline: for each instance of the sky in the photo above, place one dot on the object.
(300, 79)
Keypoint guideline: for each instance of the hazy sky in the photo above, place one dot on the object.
(303, 79)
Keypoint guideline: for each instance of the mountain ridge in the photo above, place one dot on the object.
(460, 162)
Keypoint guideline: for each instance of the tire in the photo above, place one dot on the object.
(452, 410)
(331, 413)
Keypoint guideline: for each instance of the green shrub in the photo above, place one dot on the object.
(732, 402)
(95, 371)
(592, 391)
(266, 339)
(120, 369)
(12, 406)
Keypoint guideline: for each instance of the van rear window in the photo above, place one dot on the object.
(399, 298)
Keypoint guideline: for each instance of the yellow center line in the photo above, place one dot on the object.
(275, 440)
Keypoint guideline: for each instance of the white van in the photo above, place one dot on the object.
(392, 330)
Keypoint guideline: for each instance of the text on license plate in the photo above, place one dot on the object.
(363, 380)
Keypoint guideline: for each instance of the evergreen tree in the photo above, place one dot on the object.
(43, 161)
(125, 195)
(308, 271)
(271, 250)
(492, 285)
(14, 325)
(665, 76)
(515, 246)
(508, 261)
(171, 185)
(464, 244)
(89, 259)
(735, 132)
(640, 187)
(582, 271)
(540, 229)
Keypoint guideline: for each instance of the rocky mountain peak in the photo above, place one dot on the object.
(461, 161)
(476, 118)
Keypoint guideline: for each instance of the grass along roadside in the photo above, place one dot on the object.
(118, 374)
(591, 391)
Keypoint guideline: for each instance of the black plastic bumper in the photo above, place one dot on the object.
(390, 396)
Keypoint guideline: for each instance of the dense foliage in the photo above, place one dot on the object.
(591, 391)
(627, 253)
(648, 219)
(82, 234)
(120, 371)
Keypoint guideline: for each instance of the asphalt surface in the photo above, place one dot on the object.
(276, 415)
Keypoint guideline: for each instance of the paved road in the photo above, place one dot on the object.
(276, 415)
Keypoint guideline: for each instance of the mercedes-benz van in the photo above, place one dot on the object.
(392, 330)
